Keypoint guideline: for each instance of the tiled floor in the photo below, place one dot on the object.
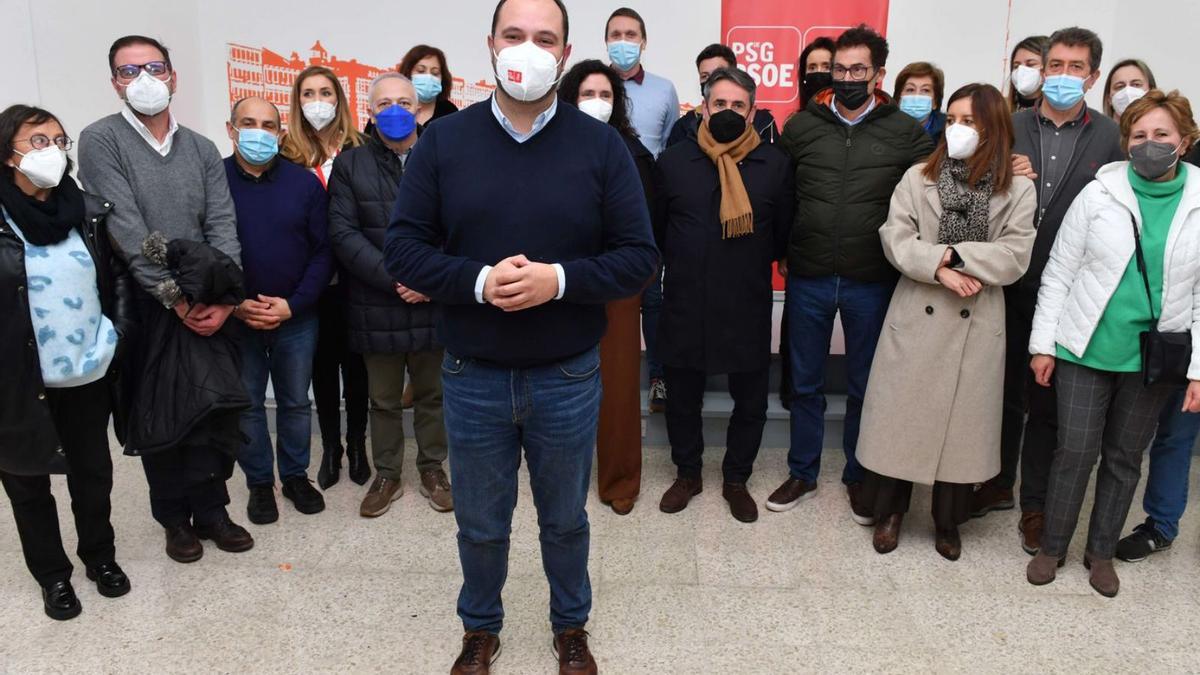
(694, 592)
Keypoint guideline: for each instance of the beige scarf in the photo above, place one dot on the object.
(737, 216)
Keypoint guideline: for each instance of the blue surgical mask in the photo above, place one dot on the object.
(917, 106)
(428, 86)
(1062, 92)
(624, 55)
(395, 123)
(257, 146)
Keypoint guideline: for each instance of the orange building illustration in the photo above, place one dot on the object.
(258, 71)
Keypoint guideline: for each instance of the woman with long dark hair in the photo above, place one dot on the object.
(67, 306)
(960, 228)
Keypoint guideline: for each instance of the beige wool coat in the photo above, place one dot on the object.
(934, 398)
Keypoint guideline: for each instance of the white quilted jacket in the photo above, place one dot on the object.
(1091, 253)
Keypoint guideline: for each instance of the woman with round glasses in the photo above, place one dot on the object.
(67, 306)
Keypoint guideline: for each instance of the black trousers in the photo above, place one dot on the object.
(1029, 427)
(187, 483)
(888, 496)
(80, 417)
(337, 370)
(685, 425)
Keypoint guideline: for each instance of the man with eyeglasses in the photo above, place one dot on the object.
(851, 145)
(162, 177)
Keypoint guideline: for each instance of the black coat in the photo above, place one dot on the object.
(643, 159)
(29, 443)
(688, 126)
(717, 294)
(362, 193)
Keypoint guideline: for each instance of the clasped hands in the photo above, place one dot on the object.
(964, 285)
(516, 283)
(204, 320)
(265, 313)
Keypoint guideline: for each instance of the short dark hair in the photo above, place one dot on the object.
(863, 35)
(922, 69)
(421, 52)
(11, 120)
(1076, 37)
(717, 51)
(627, 13)
(131, 40)
(734, 75)
(561, 7)
(568, 92)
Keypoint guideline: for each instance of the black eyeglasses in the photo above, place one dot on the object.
(856, 72)
(132, 70)
(42, 141)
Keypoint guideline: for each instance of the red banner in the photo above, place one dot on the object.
(768, 36)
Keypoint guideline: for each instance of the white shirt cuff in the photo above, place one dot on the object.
(479, 282)
(562, 281)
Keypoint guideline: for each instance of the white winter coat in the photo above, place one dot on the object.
(1091, 253)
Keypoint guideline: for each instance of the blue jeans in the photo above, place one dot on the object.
(1170, 465)
(652, 299)
(491, 413)
(811, 305)
(286, 356)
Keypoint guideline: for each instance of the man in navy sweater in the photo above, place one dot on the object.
(283, 227)
(522, 218)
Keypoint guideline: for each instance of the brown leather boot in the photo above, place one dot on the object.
(1104, 576)
(741, 504)
(622, 507)
(574, 657)
(479, 651)
(183, 545)
(1042, 569)
(947, 543)
(990, 498)
(379, 498)
(436, 488)
(676, 498)
(887, 533)
(1030, 527)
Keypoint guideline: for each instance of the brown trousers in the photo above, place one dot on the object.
(619, 433)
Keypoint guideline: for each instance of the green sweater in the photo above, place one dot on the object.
(1115, 346)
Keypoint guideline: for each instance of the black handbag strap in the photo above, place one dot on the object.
(1141, 266)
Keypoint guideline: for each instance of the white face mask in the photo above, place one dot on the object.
(319, 113)
(44, 168)
(1026, 80)
(526, 71)
(961, 141)
(598, 108)
(1122, 99)
(147, 94)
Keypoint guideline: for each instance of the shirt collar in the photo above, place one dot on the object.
(163, 148)
(1081, 117)
(539, 122)
(838, 113)
(638, 77)
(267, 175)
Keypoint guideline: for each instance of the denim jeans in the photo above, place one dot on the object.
(1170, 464)
(652, 299)
(492, 412)
(286, 356)
(811, 305)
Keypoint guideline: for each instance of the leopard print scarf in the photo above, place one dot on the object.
(964, 209)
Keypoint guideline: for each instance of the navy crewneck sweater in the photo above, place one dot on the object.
(472, 196)
(283, 226)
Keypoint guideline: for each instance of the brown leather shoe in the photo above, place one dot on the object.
(792, 492)
(479, 651)
(1042, 569)
(990, 498)
(948, 544)
(887, 533)
(859, 512)
(622, 507)
(1030, 528)
(1104, 576)
(379, 498)
(741, 504)
(183, 546)
(436, 488)
(227, 535)
(574, 658)
(676, 498)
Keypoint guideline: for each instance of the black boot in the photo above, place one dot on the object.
(356, 462)
(331, 466)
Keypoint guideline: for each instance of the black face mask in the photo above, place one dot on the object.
(815, 82)
(851, 93)
(726, 126)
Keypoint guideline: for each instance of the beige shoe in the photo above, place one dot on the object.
(436, 489)
(1042, 569)
(379, 498)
